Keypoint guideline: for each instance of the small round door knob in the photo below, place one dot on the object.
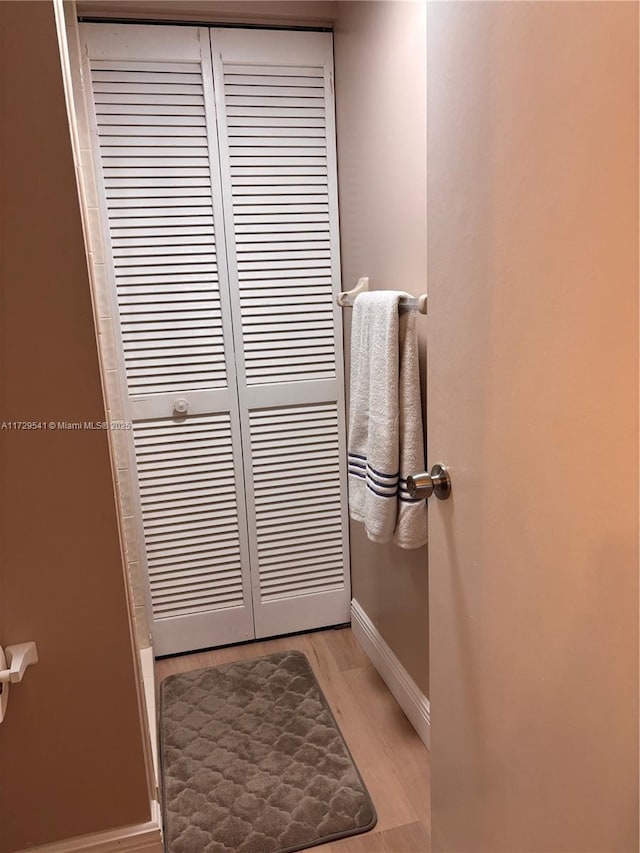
(425, 484)
(181, 406)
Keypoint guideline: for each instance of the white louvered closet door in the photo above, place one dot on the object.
(275, 111)
(156, 149)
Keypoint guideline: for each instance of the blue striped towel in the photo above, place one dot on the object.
(386, 441)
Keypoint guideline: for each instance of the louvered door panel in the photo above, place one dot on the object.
(190, 514)
(156, 146)
(276, 123)
(300, 545)
(167, 289)
(284, 275)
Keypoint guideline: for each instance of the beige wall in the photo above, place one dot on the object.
(380, 67)
(533, 383)
(71, 745)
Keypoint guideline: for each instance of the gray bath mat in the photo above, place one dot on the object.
(253, 761)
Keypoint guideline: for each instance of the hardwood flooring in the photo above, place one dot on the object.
(393, 761)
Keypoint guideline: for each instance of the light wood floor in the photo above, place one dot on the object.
(393, 761)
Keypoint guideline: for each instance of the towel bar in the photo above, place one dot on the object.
(409, 303)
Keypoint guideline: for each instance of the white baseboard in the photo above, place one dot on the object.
(142, 838)
(406, 692)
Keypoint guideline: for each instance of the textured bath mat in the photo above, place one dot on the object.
(253, 761)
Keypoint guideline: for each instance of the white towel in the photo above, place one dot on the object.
(385, 421)
(411, 524)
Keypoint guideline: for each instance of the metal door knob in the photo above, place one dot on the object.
(436, 483)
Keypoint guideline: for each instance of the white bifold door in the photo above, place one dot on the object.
(215, 150)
